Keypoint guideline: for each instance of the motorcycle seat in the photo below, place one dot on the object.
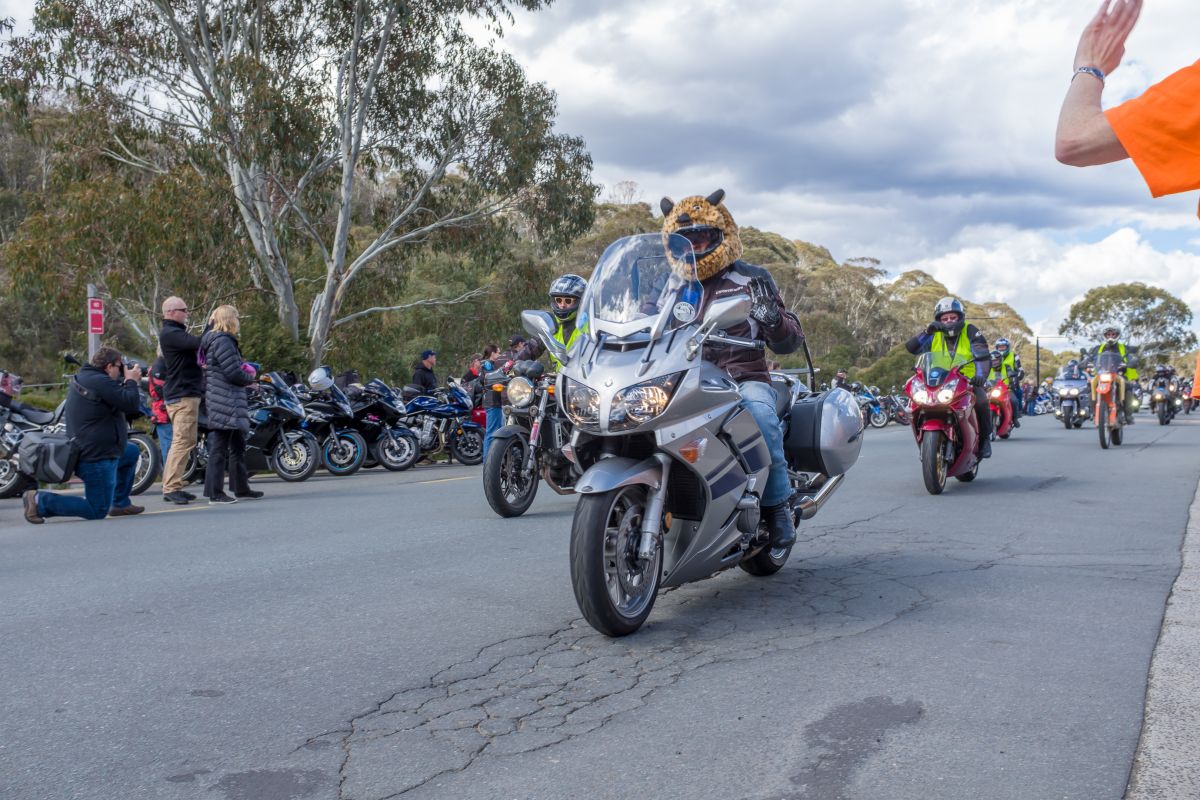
(35, 415)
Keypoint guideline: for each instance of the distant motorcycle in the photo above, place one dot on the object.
(1109, 398)
(1000, 404)
(1073, 400)
(872, 410)
(377, 416)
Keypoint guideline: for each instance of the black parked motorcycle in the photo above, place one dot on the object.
(377, 417)
(532, 446)
(330, 417)
(276, 441)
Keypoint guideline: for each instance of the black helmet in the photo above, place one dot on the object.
(569, 285)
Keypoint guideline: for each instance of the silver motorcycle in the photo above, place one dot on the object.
(673, 468)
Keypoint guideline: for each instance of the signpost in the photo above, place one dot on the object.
(95, 320)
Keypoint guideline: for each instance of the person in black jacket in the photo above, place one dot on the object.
(423, 377)
(98, 399)
(226, 377)
(182, 391)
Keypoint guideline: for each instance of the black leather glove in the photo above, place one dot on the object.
(764, 309)
(978, 381)
(933, 328)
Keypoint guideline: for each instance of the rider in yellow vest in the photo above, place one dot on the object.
(565, 293)
(1112, 341)
(950, 333)
(1007, 370)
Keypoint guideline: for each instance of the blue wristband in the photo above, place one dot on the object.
(1090, 71)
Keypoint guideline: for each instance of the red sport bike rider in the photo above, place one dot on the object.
(951, 417)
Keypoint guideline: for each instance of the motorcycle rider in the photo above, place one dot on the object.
(840, 380)
(565, 293)
(950, 333)
(715, 240)
(1112, 341)
(1008, 371)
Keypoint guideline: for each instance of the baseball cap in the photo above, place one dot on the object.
(427, 353)
(515, 340)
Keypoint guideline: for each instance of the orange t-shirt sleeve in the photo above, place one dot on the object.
(1161, 132)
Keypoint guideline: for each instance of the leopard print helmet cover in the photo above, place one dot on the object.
(701, 217)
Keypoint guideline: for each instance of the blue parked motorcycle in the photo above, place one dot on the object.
(442, 423)
(874, 414)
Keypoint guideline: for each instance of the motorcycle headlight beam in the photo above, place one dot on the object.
(520, 392)
(582, 404)
(641, 402)
(945, 396)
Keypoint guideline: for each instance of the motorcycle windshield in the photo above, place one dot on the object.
(935, 367)
(1108, 362)
(380, 388)
(642, 278)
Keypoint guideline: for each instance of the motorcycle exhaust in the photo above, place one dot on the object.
(809, 505)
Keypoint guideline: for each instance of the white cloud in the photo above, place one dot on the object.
(917, 131)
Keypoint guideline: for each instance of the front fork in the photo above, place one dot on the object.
(652, 516)
(534, 427)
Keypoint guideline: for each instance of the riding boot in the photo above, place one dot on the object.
(779, 521)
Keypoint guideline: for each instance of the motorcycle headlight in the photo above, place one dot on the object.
(520, 392)
(582, 405)
(1158, 395)
(1136, 403)
(994, 394)
(1173, 387)
(1074, 393)
(921, 396)
(945, 395)
(641, 402)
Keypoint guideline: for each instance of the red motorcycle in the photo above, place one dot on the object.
(1000, 404)
(943, 420)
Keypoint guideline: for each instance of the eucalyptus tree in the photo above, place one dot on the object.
(309, 104)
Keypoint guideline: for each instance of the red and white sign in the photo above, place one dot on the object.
(95, 315)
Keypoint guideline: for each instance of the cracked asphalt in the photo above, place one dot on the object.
(387, 636)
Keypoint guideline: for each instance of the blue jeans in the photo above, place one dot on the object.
(164, 431)
(495, 421)
(106, 484)
(759, 399)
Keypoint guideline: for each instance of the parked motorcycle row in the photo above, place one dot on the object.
(295, 429)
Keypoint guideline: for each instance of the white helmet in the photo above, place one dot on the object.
(320, 379)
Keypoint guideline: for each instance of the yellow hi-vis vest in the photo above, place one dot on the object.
(565, 342)
(1007, 368)
(962, 349)
(1131, 374)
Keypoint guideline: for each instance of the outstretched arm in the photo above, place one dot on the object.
(1084, 136)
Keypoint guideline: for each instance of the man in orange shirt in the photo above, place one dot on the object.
(1160, 130)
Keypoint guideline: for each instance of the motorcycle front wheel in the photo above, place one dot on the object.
(296, 456)
(467, 447)
(614, 589)
(933, 462)
(1163, 417)
(12, 482)
(1102, 423)
(879, 419)
(397, 453)
(508, 487)
(344, 453)
(149, 463)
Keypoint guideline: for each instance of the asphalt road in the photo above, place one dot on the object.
(387, 636)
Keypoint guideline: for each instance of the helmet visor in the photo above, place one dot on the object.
(704, 239)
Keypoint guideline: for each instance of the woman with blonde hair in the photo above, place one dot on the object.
(226, 377)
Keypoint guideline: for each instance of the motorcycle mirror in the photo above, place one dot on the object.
(725, 311)
(541, 324)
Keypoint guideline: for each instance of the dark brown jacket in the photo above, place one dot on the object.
(743, 363)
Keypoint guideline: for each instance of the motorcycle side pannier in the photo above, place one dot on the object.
(825, 434)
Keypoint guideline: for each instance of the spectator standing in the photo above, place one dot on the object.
(226, 377)
(472, 379)
(155, 383)
(423, 375)
(493, 401)
(98, 400)
(1158, 129)
(182, 390)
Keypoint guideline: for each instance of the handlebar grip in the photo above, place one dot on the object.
(737, 341)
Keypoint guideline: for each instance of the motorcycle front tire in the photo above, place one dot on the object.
(295, 456)
(397, 454)
(499, 461)
(346, 463)
(468, 447)
(933, 462)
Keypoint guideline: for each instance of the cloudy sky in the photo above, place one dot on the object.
(920, 132)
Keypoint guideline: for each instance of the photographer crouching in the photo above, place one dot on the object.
(98, 399)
